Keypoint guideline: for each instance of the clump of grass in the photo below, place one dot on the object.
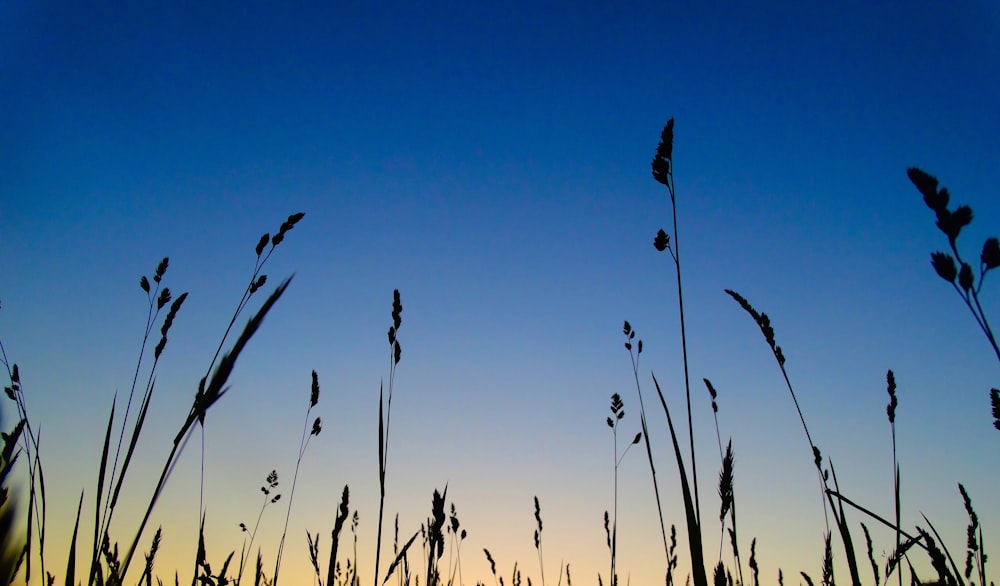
(12, 545)
(107, 565)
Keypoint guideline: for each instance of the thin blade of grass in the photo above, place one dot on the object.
(132, 442)
(399, 558)
(381, 442)
(43, 500)
(951, 560)
(845, 531)
(656, 486)
(100, 488)
(200, 557)
(71, 562)
(27, 544)
(873, 515)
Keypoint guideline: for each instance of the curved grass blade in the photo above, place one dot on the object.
(71, 562)
(399, 558)
(693, 527)
(100, 490)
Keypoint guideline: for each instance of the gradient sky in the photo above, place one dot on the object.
(491, 161)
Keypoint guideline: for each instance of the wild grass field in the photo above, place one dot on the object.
(704, 533)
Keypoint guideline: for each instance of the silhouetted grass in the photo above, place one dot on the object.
(109, 565)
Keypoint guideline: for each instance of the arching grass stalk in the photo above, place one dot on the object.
(951, 222)
(384, 413)
(764, 323)
(962, 280)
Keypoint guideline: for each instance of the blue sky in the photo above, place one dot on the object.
(491, 161)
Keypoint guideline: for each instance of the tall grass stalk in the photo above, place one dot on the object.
(890, 410)
(270, 483)
(384, 414)
(156, 300)
(618, 412)
(317, 426)
(629, 336)
(663, 173)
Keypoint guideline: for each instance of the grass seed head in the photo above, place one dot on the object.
(262, 243)
(161, 269)
(661, 241)
(664, 154)
(944, 266)
(990, 256)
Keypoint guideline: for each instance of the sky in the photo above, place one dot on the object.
(491, 161)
